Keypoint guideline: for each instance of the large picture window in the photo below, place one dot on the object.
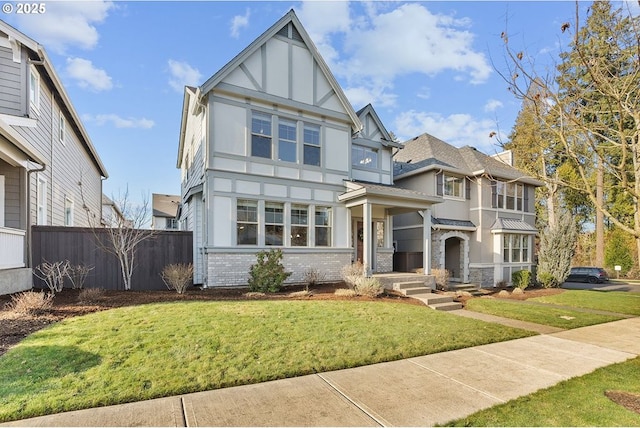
(261, 135)
(247, 222)
(311, 139)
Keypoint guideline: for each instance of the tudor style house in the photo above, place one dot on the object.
(484, 229)
(50, 172)
(273, 155)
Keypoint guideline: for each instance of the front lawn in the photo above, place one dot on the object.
(579, 401)
(539, 314)
(148, 351)
(613, 301)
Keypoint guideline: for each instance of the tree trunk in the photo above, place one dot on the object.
(599, 214)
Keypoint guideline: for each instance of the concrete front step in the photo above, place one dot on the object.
(450, 306)
(438, 302)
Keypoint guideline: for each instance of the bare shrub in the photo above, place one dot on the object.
(302, 293)
(442, 278)
(501, 284)
(177, 276)
(254, 294)
(91, 295)
(345, 292)
(503, 293)
(53, 274)
(370, 287)
(312, 277)
(30, 302)
(78, 274)
(351, 273)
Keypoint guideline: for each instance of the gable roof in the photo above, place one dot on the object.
(165, 205)
(290, 17)
(426, 152)
(44, 64)
(387, 139)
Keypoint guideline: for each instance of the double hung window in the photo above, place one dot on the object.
(261, 135)
(311, 138)
(247, 222)
(515, 248)
(274, 223)
(287, 145)
(299, 225)
(323, 226)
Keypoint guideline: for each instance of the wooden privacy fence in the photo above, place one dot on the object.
(81, 247)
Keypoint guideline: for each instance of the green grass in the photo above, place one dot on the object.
(612, 301)
(575, 402)
(539, 314)
(142, 352)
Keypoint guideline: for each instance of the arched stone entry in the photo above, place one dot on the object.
(454, 255)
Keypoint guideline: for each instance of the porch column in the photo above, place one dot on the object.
(366, 238)
(426, 239)
(388, 230)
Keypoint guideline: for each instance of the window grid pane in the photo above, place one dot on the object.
(323, 226)
(247, 222)
(261, 135)
(287, 146)
(311, 149)
(274, 223)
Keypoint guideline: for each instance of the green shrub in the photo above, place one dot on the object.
(268, 274)
(521, 279)
(547, 280)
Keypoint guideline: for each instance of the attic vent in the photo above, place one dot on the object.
(290, 32)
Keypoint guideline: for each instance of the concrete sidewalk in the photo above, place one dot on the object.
(420, 391)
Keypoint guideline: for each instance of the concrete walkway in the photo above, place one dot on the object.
(422, 391)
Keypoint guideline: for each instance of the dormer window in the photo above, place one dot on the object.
(364, 157)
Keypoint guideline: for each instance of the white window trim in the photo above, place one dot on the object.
(444, 187)
(62, 128)
(41, 208)
(35, 103)
(68, 204)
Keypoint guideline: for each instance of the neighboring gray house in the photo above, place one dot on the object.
(50, 172)
(273, 155)
(485, 227)
(165, 210)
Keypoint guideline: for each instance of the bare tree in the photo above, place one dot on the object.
(124, 232)
(591, 107)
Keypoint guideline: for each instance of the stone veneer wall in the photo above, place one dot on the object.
(232, 269)
(482, 276)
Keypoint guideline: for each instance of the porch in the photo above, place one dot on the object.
(372, 207)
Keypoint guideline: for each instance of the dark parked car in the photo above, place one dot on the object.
(587, 274)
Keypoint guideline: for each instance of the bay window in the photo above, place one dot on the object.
(515, 248)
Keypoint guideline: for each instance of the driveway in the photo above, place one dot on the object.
(614, 285)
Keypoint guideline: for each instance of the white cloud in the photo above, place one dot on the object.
(238, 22)
(120, 122)
(66, 24)
(88, 76)
(492, 105)
(182, 74)
(456, 129)
(410, 39)
(389, 42)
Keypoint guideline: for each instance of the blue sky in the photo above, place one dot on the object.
(425, 66)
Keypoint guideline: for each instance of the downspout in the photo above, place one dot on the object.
(29, 223)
